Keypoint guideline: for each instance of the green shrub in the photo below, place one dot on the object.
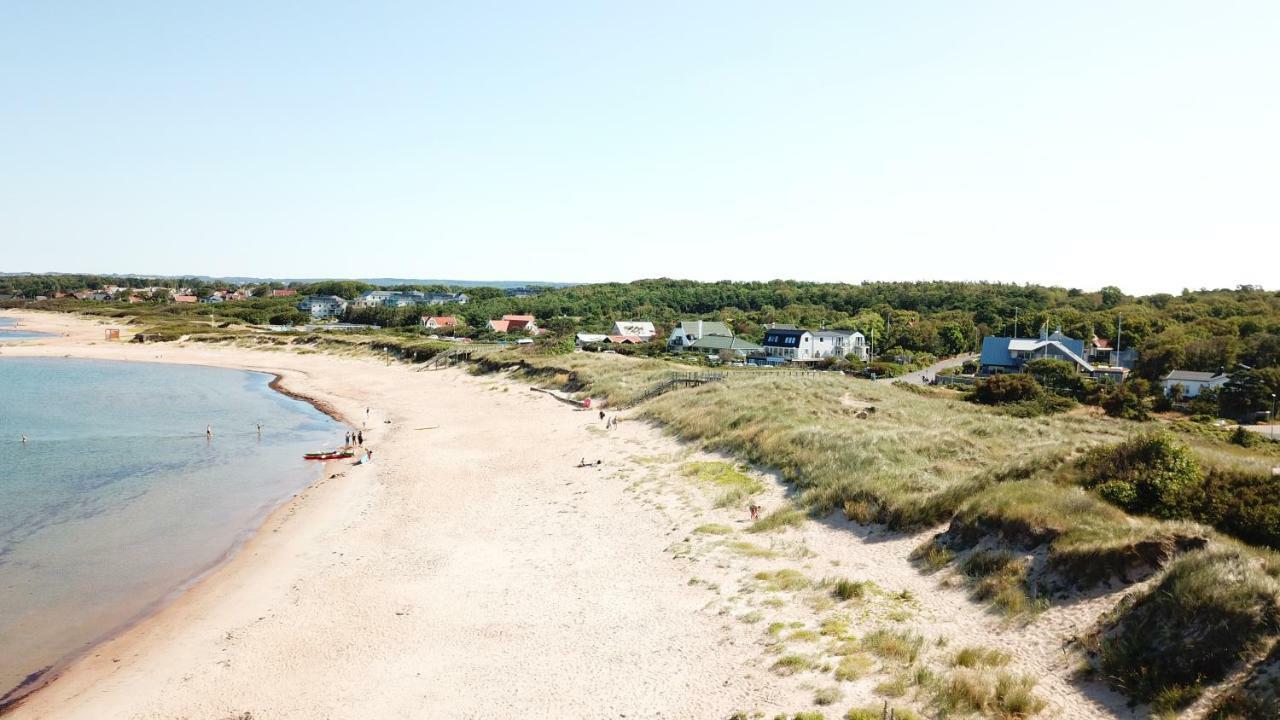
(1003, 389)
(845, 589)
(1146, 474)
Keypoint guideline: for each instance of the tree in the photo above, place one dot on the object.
(1057, 376)
(1002, 389)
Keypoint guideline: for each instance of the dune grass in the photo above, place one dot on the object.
(1211, 609)
(920, 460)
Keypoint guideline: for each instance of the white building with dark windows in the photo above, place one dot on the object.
(840, 343)
(789, 344)
(323, 307)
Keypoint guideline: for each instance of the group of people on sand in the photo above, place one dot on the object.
(355, 438)
(610, 423)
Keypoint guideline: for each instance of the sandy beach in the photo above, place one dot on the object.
(474, 571)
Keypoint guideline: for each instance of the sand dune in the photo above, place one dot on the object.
(473, 571)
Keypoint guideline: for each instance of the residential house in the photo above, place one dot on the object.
(718, 344)
(283, 293)
(322, 307)
(214, 298)
(1193, 383)
(515, 323)
(788, 344)
(438, 322)
(634, 328)
(688, 332)
(520, 292)
(185, 298)
(1009, 355)
(437, 298)
(588, 338)
(840, 343)
(1102, 352)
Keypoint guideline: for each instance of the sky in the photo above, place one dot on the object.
(1077, 144)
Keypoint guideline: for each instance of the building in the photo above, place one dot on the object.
(214, 298)
(437, 298)
(688, 332)
(788, 344)
(1009, 355)
(283, 293)
(322, 307)
(185, 298)
(840, 343)
(515, 323)
(438, 322)
(721, 344)
(1192, 383)
(634, 328)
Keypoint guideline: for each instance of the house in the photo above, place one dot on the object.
(185, 298)
(214, 298)
(1192, 383)
(520, 292)
(717, 344)
(436, 322)
(588, 338)
(788, 344)
(634, 328)
(688, 332)
(283, 293)
(1102, 352)
(437, 298)
(1008, 355)
(323, 306)
(840, 343)
(515, 323)
(134, 299)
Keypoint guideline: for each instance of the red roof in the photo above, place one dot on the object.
(184, 298)
(283, 293)
(1099, 342)
(500, 325)
(625, 339)
(441, 320)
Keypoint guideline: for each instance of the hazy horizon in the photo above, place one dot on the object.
(1079, 146)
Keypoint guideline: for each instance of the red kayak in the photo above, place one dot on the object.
(340, 455)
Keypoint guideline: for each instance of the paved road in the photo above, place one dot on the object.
(1264, 430)
(917, 377)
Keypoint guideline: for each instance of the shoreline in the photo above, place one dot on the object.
(476, 571)
(13, 698)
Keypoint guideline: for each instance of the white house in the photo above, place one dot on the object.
(691, 331)
(634, 328)
(323, 306)
(789, 344)
(1193, 383)
(839, 343)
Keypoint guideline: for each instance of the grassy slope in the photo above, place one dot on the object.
(917, 460)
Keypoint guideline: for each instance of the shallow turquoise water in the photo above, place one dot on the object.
(9, 331)
(118, 498)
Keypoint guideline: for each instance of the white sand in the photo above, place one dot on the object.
(473, 572)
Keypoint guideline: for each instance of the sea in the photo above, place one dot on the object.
(10, 331)
(118, 500)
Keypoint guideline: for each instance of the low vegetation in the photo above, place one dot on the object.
(1211, 610)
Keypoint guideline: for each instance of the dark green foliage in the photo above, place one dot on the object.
(1240, 502)
(1147, 474)
(1058, 376)
(1210, 609)
(1249, 391)
(1126, 400)
(1002, 389)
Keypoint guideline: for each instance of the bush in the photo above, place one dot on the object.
(1002, 389)
(1148, 474)
(1211, 608)
(1124, 401)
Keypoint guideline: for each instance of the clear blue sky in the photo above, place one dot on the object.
(1080, 144)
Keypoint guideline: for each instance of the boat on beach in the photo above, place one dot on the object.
(334, 455)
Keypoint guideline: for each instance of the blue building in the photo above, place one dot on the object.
(1008, 355)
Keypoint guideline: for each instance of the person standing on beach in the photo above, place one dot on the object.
(360, 437)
